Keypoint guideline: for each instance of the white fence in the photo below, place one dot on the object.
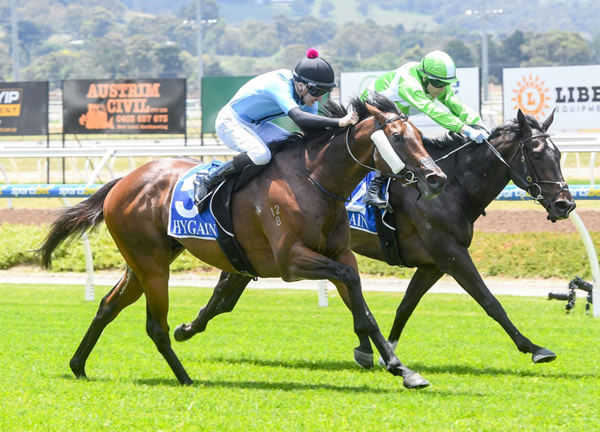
(107, 150)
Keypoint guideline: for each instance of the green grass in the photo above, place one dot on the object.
(523, 255)
(279, 362)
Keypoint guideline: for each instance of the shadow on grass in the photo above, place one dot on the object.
(265, 385)
(325, 365)
(457, 369)
(284, 386)
(491, 371)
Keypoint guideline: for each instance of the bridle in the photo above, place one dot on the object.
(405, 176)
(529, 178)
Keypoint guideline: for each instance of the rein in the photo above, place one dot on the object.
(531, 180)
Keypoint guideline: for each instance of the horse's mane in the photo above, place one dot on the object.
(332, 109)
(510, 130)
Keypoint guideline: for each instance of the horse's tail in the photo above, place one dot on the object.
(75, 221)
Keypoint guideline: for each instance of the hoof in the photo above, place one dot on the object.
(181, 333)
(543, 356)
(364, 360)
(78, 370)
(186, 382)
(413, 380)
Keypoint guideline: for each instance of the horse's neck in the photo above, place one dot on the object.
(483, 176)
(333, 166)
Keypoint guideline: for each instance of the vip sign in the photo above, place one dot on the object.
(10, 102)
(573, 90)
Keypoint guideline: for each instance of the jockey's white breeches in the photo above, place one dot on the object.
(246, 137)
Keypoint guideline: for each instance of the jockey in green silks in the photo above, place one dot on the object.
(415, 87)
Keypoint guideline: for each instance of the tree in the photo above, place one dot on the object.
(326, 8)
(557, 48)
(459, 52)
(170, 65)
(512, 49)
(98, 23)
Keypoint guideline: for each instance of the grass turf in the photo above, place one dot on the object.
(279, 362)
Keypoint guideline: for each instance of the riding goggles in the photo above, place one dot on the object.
(437, 83)
(317, 91)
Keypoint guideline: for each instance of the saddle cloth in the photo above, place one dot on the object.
(375, 221)
(215, 222)
(360, 215)
(184, 220)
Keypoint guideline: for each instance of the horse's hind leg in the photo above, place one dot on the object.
(423, 279)
(305, 263)
(155, 284)
(124, 293)
(224, 298)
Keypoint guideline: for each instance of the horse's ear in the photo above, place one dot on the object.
(376, 113)
(523, 124)
(548, 121)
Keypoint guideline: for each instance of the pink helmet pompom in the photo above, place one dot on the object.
(312, 53)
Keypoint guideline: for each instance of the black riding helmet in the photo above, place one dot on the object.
(315, 72)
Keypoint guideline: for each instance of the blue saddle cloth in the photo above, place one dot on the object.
(360, 215)
(184, 220)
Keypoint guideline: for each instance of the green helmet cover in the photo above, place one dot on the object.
(438, 65)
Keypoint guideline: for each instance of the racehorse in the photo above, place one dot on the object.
(434, 236)
(290, 221)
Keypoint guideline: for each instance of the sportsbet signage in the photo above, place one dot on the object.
(573, 90)
(124, 106)
(466, 88)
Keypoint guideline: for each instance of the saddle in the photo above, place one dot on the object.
(386, 231)
(220, 207)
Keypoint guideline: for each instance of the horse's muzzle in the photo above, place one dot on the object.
(434, 184)
(560, 208)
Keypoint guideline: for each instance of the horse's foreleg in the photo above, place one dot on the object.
(363, 353)
(423, 279)
(304, 263)
(465, 273)
(224, 298)
(124, 293)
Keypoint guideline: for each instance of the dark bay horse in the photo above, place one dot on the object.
(434, 236)
(290, 221)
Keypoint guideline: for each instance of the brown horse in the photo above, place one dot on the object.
(435, 236)
(290, 221)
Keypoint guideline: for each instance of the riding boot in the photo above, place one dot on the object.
(374, 195)
(204, 184)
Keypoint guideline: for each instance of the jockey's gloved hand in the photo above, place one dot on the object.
(476, 135)
(349, 119)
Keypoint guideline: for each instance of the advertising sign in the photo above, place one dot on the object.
(466, 88)
(573, 90)
(136, 106)
(24, 108)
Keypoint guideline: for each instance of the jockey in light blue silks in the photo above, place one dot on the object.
(415, 87)
(244, 124)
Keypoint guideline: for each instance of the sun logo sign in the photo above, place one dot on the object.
(532, 96)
